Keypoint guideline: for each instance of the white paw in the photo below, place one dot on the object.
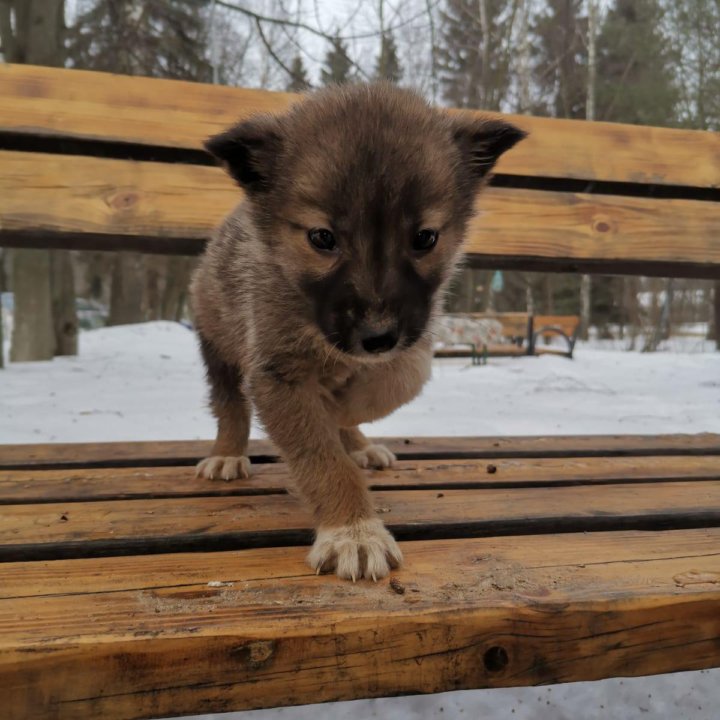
(218, 467)
(374, 456)
(364, 549)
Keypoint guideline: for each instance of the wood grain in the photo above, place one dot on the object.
(122, 527)
(132, 638)
(48, 486)
(188, 452)
(96, 203)
(94, 105)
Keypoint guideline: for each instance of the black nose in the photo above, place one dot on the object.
(374, 341)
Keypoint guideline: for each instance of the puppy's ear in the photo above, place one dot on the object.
(249, 151)
(482, 141)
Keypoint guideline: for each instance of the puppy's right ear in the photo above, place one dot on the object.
(249, 151)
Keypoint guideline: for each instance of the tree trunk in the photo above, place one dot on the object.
(155, 278)
(586, 281)
(2, 290)
(585, 305)
(716, 313)
(176, 287)
(33, 336)
(128, 282)
(62, 283)
(32, 32)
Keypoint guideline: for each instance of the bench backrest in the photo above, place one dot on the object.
(514, 324)
(569, 324)
(91, 160)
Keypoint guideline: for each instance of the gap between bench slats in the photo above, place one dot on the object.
(188, 452)
(77, 485)
(122, 527)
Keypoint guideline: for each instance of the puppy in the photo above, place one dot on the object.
(315, 300)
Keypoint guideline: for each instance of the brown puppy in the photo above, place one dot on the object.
(315, 300)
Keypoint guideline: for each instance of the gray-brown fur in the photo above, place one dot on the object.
(291, 323)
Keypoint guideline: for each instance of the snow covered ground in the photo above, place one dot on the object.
(145, 382)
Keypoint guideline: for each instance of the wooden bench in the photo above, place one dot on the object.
(545, 327)
(129, 589)
(521, 332)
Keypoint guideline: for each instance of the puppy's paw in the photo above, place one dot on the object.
(373, 456)
(364, 549)
(218, 467)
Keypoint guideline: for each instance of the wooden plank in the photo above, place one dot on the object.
(188, 452)
(98, 199)
(605, 231)
(494, 350)
(122, 527)
(182, 114)
(46, 486)
(96, 203)
(132, 638)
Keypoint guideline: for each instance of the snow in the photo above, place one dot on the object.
(145, 382)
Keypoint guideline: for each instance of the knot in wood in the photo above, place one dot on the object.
(255, 654)
(123, 200)
(602, 224)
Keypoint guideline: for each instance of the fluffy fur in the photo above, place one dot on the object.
(320, 341)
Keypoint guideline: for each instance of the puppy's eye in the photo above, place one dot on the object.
(322, 239)
(425, 240)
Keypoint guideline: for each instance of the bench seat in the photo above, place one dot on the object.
(130, 589)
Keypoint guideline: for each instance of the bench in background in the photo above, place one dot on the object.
(519, 335)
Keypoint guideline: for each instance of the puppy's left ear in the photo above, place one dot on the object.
(483, 140)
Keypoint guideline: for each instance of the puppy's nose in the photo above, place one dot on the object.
(378, 340)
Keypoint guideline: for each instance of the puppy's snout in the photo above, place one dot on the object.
(378, 340)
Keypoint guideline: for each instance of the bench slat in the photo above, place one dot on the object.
(171, 113)
(124, 639)
(47, 486)
(121, 527)
(188, 452)
(96, 203)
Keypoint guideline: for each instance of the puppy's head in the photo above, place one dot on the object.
(363, 194)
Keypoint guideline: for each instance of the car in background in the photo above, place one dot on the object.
(91, 314)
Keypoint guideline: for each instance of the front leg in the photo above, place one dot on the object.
(350, 537)
(363, 452)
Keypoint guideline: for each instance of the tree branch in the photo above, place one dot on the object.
(257, 17)
(272, 52)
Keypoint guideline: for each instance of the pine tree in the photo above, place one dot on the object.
(337, 69)
(561, 59)
(158, 38)
(635, 79)
(694, 26)
(388, 66)
(473, 54)
(298, 81)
